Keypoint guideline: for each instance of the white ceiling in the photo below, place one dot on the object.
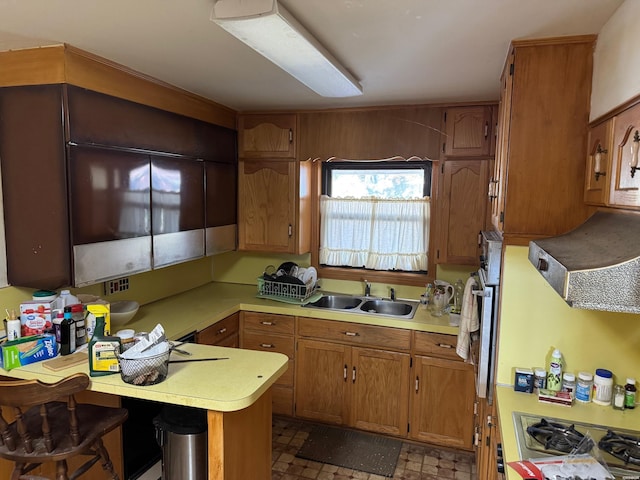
(402, 51)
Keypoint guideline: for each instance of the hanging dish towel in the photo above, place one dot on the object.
(469, 321)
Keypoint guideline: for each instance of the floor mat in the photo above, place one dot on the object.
(350, 449)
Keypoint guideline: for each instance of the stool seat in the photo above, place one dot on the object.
(48, 429)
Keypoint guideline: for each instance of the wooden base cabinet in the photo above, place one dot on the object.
(222, 334)
(442, 402)
(272, 333)
(358, 387)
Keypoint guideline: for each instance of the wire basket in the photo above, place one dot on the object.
(282, 290)
(145, 370)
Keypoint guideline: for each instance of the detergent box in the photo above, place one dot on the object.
(26, 350)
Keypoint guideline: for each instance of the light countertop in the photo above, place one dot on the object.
(198, 308)
(225, 385)
(222, 385)
(510, 401)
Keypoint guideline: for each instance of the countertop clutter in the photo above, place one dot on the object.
(222, 386)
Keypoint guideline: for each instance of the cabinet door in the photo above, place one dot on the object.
(442, 402)
(322, 381)
(463, 211)
(110, 213)
(625, 188)
(468, 131)
(599, 148)
(497, 185)
(266, 195)
(177, 208)
(380, 391)
(221, 186)
(267, 136)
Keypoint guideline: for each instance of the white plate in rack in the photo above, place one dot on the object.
(310, 276)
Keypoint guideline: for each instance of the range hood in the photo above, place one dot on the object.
(597, 265)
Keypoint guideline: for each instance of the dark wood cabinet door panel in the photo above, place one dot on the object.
(106, 120)
(34, 186)
(177, 194)
(110, 195)
(221, 194)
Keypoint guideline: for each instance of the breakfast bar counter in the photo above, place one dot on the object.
(235, 391)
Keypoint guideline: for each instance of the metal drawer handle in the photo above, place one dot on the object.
(222, 330)
(417, 383)
(353, 375)
(445, 345)
(352, 334)
(267, 345)
(266, 322)
(345, 373)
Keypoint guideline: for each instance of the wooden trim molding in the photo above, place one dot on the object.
(67, 64)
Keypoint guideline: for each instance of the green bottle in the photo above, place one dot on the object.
(102, 351)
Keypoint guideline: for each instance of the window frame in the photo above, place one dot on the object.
(361, 274)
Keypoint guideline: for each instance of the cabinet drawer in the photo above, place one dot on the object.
(436, 344)
(355, 333)
(273, 343)
(267, 322)
(220, 331)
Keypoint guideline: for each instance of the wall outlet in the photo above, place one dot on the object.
(117, 285)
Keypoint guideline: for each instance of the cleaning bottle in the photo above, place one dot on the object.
(102, 351)
(67, 333)
(554, 375)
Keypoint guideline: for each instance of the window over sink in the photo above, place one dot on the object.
(374, 216)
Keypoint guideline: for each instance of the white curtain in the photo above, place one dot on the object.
(380, 234)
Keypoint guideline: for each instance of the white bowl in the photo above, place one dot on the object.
(123, 311)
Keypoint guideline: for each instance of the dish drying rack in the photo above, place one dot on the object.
(298, 294)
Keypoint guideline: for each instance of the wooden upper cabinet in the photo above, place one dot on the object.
(267, 136)
(463, 210)
(624, 188)
(468, 131)
(273, 200)
(543, 144)
(599, 154)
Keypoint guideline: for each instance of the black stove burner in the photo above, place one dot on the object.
(559, 437)
(623, 447)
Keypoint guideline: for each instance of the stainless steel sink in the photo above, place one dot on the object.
(366, 305)
(387, 307)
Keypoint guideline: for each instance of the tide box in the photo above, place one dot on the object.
(93, 310)
(27, 350)
(36, 317)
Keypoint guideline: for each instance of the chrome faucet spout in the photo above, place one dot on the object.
(393, 294)
(367, 289)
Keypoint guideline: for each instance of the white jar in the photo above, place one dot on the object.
(602, 387)
(584, 387)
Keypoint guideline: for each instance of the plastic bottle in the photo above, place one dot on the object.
(66, 299)
(13, 326)
(77, 313)
(458, 293)
(602, 386)
(630, 393)
(554, 372)
(67, 333)
(584, 387)
(102, 351)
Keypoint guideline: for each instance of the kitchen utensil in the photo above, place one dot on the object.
(288, 268)
(178, 350)
(123, 311)
(199, 360)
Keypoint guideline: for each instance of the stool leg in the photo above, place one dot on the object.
(106, 461)
(17, 471)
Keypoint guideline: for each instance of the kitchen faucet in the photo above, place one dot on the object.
(367, 289)
(393, 294)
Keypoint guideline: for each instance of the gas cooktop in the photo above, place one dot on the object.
(544, 436)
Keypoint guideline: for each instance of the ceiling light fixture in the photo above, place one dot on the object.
(273, 32)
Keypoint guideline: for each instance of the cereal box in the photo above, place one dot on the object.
(36, 317)
(26, 350)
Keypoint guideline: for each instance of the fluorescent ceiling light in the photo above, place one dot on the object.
(272, 31)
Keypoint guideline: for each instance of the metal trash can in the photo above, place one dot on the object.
(181, 433)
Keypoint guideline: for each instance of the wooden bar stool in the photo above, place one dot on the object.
(47, 429)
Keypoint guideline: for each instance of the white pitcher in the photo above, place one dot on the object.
(448, 289)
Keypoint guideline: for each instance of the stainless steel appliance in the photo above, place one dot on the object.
(488, 278)
(595, 266)
(539, 437)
